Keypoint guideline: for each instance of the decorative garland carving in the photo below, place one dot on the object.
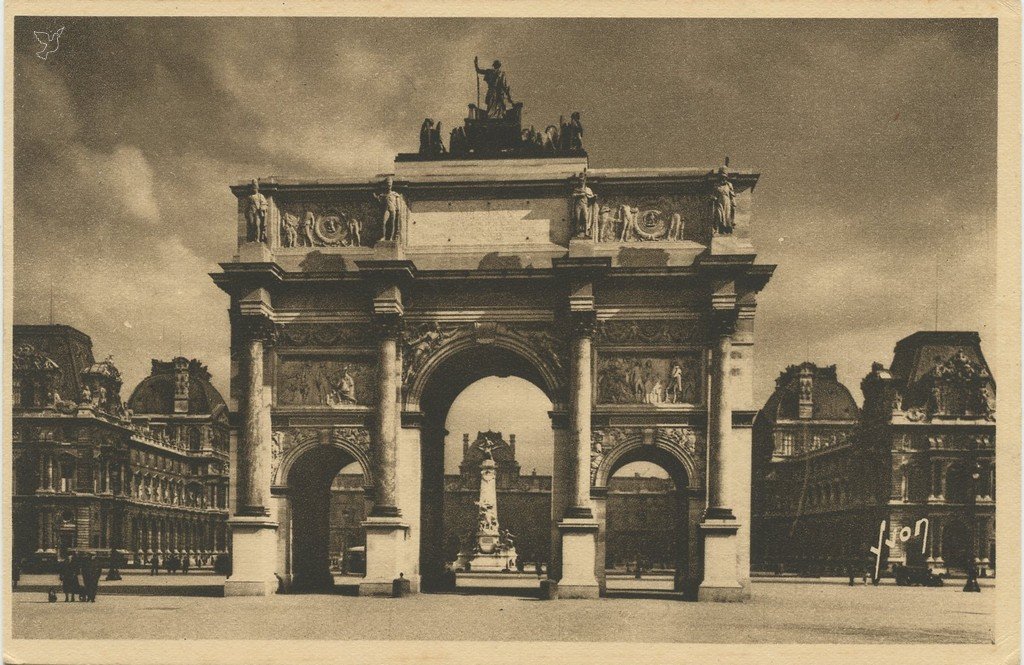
(650, 332)
(325, 334)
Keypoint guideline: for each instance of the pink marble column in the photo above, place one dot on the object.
(254, 446)
(386, 503)
(581, 398)
(720, 419)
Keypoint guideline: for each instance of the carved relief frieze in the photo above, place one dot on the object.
(354, 437)
(605, 440)
(685, 438)
(650, 332)
(352, 223)
(622, 218)
(327, 381)
(325, 334)
(424, 340)
(283, 441)
(647, 378)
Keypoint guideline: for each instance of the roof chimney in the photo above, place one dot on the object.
(465, 444)
(512, 443)
(181, 385)
(806, 410)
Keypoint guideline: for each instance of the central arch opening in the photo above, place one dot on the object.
(485, 405)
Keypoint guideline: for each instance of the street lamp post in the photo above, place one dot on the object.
(971, 585)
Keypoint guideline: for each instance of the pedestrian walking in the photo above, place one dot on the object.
(69, 582)
(184, 564)
(91, 576)
(154, 565)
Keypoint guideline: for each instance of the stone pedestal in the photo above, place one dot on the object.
(385, 556)
(721, 569)
(254, 252)
(253, 557)
(579, 550)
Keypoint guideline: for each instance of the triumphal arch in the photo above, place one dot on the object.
(361, 308)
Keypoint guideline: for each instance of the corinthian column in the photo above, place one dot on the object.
(254, 446)
(386, 504)
(722, 574)
(583, 331)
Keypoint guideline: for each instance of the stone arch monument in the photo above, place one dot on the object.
(618, 292)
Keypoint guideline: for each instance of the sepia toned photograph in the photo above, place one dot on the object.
(487, 334)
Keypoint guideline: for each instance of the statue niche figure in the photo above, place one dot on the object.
(256, 215)
(583, 210)
(395, 210)
(723, 203)
(498, 92)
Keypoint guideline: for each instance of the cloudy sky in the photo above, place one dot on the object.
(875, 139)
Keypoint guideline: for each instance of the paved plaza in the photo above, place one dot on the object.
(782, 611)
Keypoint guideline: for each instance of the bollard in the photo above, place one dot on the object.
(400, 586)
(548, 589)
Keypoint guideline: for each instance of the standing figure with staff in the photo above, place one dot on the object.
(497, 89)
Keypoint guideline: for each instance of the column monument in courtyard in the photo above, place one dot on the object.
(361, 307)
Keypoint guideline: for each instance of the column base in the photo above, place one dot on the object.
(253, 557)
(386, 557)
(721, 581)
(579, 549)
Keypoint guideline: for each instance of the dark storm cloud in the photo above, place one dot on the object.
(876, 140)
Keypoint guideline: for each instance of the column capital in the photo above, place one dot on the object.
(723, 322)
(389, 326)
(250, 328)
(583, 323)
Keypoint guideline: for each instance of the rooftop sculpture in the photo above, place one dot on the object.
(495, 129)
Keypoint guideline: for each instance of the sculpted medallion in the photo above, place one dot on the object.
(327, 223)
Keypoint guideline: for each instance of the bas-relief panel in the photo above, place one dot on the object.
(626, 218)
(325, 381)
(649, 378)
(328, 222)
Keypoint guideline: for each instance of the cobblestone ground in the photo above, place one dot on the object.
(781, 611)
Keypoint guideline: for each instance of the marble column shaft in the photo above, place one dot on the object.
(720, 425)
(581, 408)
(386, 503)
(254, 449)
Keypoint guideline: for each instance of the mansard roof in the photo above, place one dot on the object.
(831, 400)
(155, 393)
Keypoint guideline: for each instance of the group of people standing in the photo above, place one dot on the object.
(80, 577)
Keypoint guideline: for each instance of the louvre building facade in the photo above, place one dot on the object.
(147, 477)
(919, 455)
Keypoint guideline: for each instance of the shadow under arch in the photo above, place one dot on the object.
(462, 362)
(685, 502)
(309, 475)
